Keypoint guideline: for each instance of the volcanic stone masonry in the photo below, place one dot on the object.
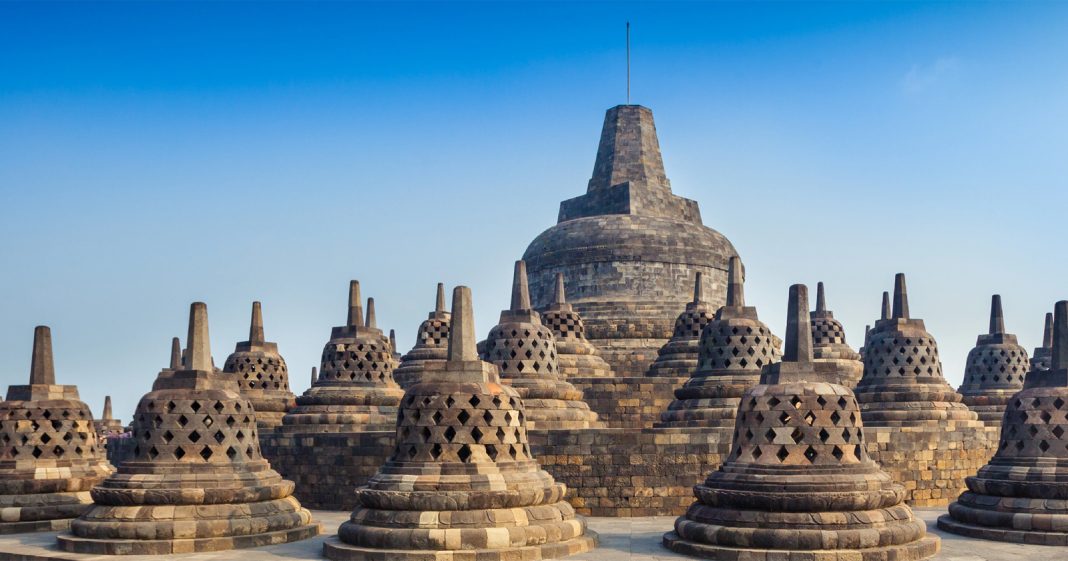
(995, 369)
(628, 247)
(49, 457)
(678, 357)
(431, 343)
(829, 342)
(461, 483)
(525, 352)
(197, 481)
(798, 483)
(916, 426)
(1022, 494)
(107, 424)
(576, 357)
(261, 374)
(734, 347)
(1040, 358)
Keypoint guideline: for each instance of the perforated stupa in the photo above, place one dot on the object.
(829, 342)
(798, 483)
(431, 343)
(261, 374)
(1040, 358)
(576, 357)
(197, 481)
(678, 357)
(461, 483)
(995, 369)
(525, 352)
(49, 457)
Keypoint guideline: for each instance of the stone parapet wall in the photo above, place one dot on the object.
(632, 402)
(932, 460)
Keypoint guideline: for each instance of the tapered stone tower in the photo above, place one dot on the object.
(734, 347)
(829, 342)
(525, 352)
(1022, 494)
(355, 390)
(107, 423)
(628, 247)
(197, 481)
(678, 357)
(1040, 359)
(431, 343)
(261, 374)
(575, 355)
(49, 457)
(461, 483)
(798, 483)
(995, 369)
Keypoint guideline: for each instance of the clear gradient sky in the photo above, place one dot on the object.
(156, 154)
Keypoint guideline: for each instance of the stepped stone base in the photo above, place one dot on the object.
(335, 549)
(631, 402)
(990, 408)
(35, 526)
(920, 549)
(933, 459)
(1056, 536)
(74, 544)
(630, 357)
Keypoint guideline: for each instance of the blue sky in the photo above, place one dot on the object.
(155, 154)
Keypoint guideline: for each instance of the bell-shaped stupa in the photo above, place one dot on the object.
(903, 383)
(261, 374)
(628, 247)
(678, 357)
(525, 352)
(995, 369)
(798, 483)
(575, 355)
(197, 481)
(1022, 494)
(461, 483)
(829, 342)
(734, 347)
(431, 343)
(49, 456)
(107, 423)
(1040, 358)
(355, 390)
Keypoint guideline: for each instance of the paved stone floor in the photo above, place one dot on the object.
(622, 539)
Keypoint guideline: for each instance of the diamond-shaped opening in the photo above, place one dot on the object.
(170, 406)
(450, 433)
(45, 438)
(810, 418)
(782, 454)
(168, 436)
(824, 435)
(821, 401)
(811, 453)
(1043, 445)
(797, 435)
(770, 435)
(449, 401)
(218, 407)
(435, 451)
(1058, 403)
(230, 420)
(463, 417)
(219, 436)
(1045, 417)
(835, 417)
(488, 417)
(153, 453)
(58, 451)
(436, 417)
(476, 434)
(757, 453)
(179, 452)
(491, 450)
(837, 453)
(205, 453)
(773, 401)
(194, 437)
(796, 402)
(784, 418)
(464, 453)
(426, 434)
(182, 421)
(195, 406)
(37, 452)
(1058, 431)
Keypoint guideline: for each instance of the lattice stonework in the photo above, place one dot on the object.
(530, 350)
(827, 331)
(259, 371)
(434, 332)
(902, 356)
(197, 431)
(690, 323)
(736, 347)
(1035, 425)
(359, 361)
(996, 365)
(564, 324)
(461, 427)
(42, 433)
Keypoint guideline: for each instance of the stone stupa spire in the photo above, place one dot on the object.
(107, 424)
(176, 354)
(261, 373)
(829, 341)
(42, 367)
(431, 343)
(1040, 358)
(575, 356)
(355, 318)
(372, 321)
(901, 298)
(314, 376)
(678, 357)
(107, 408)
(886, 306)
(995, 368)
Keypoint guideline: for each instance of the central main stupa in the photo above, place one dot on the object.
(629, 247)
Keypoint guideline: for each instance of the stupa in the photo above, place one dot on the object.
(461, 483)
(49, 457)
(197, 481)
(798, 483)
(1022, 494)
(1041, 356)
(734, 348)
(903, 381)
(829, 342)
(678, 357)
(107, 423)
(393, 347)
(431, 343)
(627, 247)
(525, 352)
(355, 390)
(261, 374)
(575, 355)
(995, 369)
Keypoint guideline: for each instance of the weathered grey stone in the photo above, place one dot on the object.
(678, 357)
(261, 374)
(576, 356)
(1041, 357)
(829, 342)
(431, 343)
(995, 369)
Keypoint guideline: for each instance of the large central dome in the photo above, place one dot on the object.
(629, 248)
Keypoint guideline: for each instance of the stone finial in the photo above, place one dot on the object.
(176, 354)
(520, 289)
(559, 296)
(821, 299)
(42, 367)
(885, 314)
(355, 311)
(462, 346)
(199, 347)
(997, 317)
(698, 289)
(798, 327)
(107, 409)
(315, 375)
(735, 283)
(901, 298)
(1059, 358)
(372, 322)
(393, 340)
(629, 151)
(439, 306)
(1047, 332)
(255, 330)
(867, 334)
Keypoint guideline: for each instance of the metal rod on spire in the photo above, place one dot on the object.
(628, 63)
